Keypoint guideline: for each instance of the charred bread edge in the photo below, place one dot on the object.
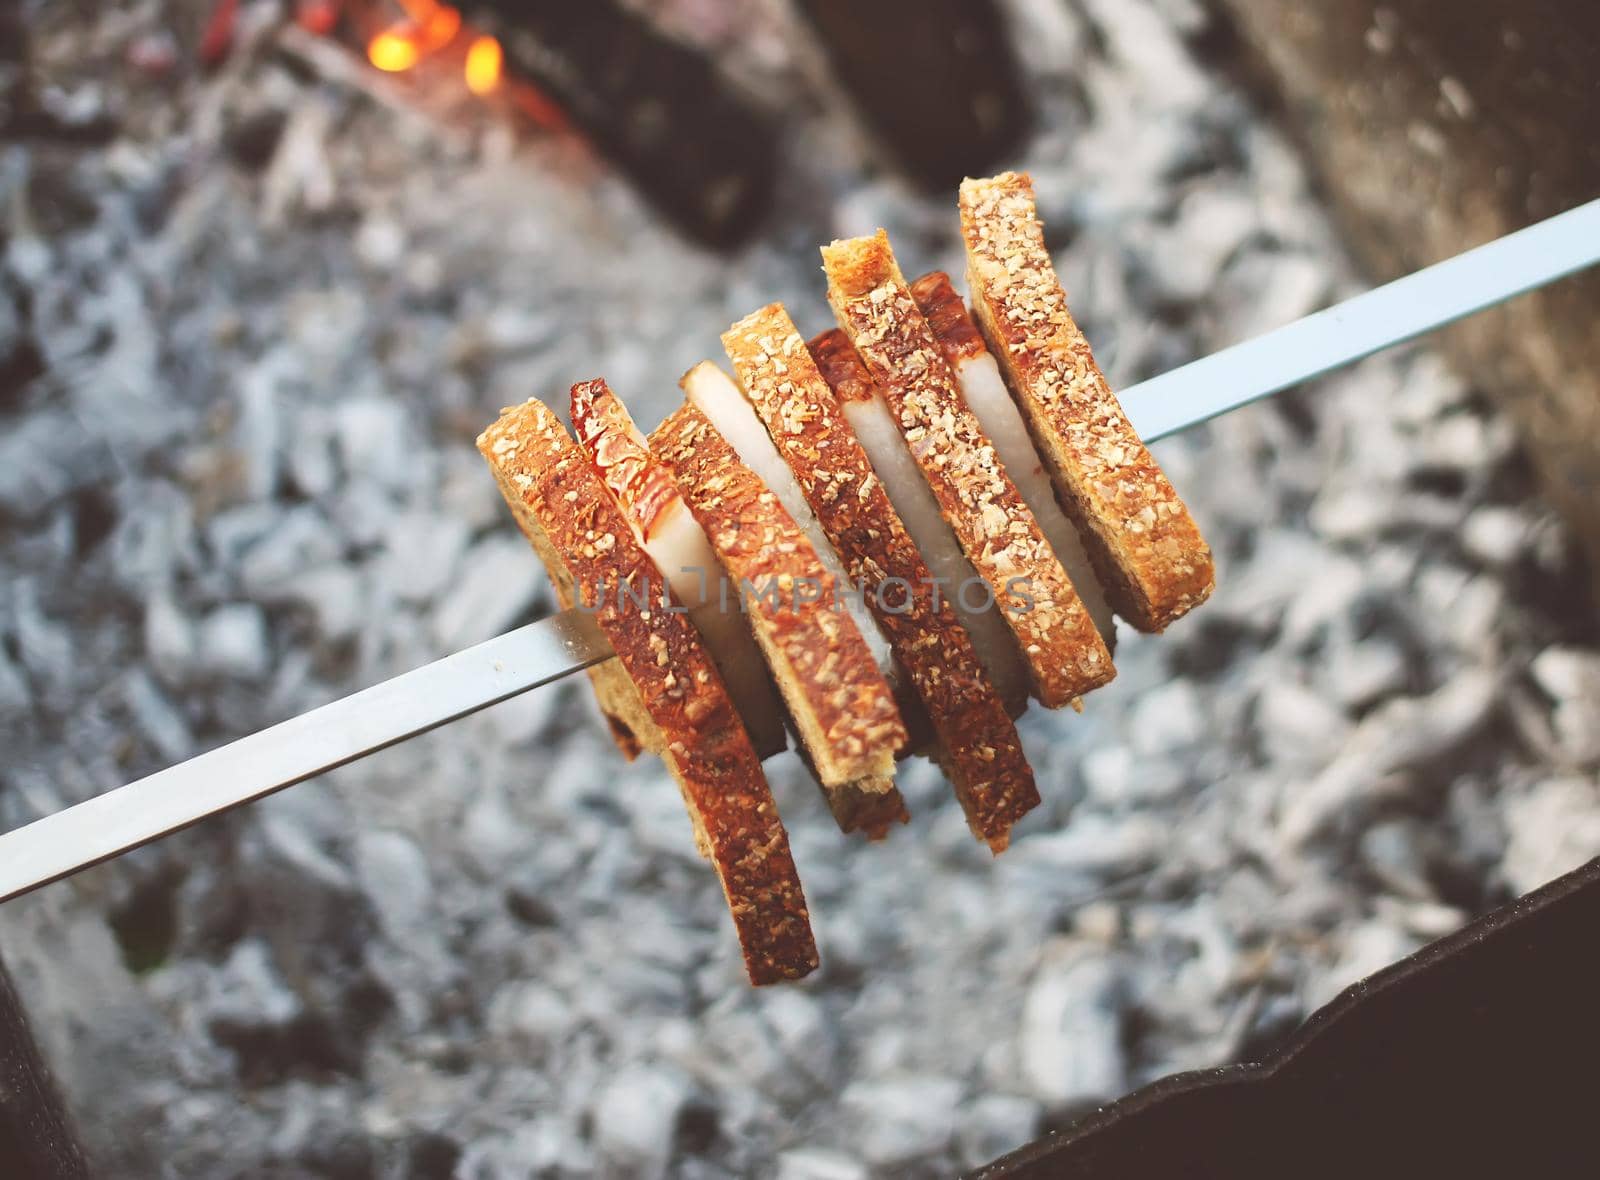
(1063, 652)
(565, 509)
(841, 703)
(958, 337)
(977, 744)
(1151, 558)
(594, 404)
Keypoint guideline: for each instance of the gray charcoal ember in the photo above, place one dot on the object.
(230, 534)
(1404, 733)
(306, 829)
(636, 1118)
(899, 1120)
(465, 494)
(1150, 53)
(149, 547)
(804, 1034)
(338, 596)
(300, 177)
(1260, 590)
(170, 642)
(1353, 510)
(1553, 827)
(1423, 920)
(380, 241)
(1068, 1045)
(1427, 390)
(232, 641)
(422, 551)
(1364, 948)
(322, 324)
(297, 541)
(16, 698)
(158, 718)
(1095, 845)
(42, 459)
(1462, 607)
(524, 720)
(1270, 290)
(258, 435)
(395, 875)
(309, 457)
(1186, 258)
(1463, 442)
(1168, 718)
(250, 992)
(534, 1014)
(44, 644)
(502, 581)
(995, 1124)
(819, 1163)
(1571, 678)
(1048, 37)
(362, 512)
(1329, 591)
(1296, 725)
(374, 439)
(1362, 673)
(1394, 854)
(1496, 535)
(29, 258)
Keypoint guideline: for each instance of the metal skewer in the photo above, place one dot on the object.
(415, 702)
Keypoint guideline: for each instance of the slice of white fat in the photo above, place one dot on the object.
(683, 554)
(985, 392)
(715, 393)
(913, 500)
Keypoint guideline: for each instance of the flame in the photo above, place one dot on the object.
(429, 26)
(393, 51)
(484, 62)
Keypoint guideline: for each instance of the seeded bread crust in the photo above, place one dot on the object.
(976, 743)
(1062, 651)
(563, 507)
(1146, 547)
(841, 703)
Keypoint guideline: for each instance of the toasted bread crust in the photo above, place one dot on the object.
(840, 701)
(1146, 547)
(1061, 648)
(976, 742)
(958, 337)
(561, 503)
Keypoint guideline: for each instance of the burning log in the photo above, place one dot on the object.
(659, 110)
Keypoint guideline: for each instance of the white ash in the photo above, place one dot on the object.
(244, 484)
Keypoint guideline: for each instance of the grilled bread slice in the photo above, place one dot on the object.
(1149, 553)
(680, 705)
(873, 423)
(842, 706)
(975, 741)
(1061, 649)
(664, 526)
(984, 391)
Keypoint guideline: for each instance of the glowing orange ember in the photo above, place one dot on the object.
(438, 28)
(483, 65)
(393, 50)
